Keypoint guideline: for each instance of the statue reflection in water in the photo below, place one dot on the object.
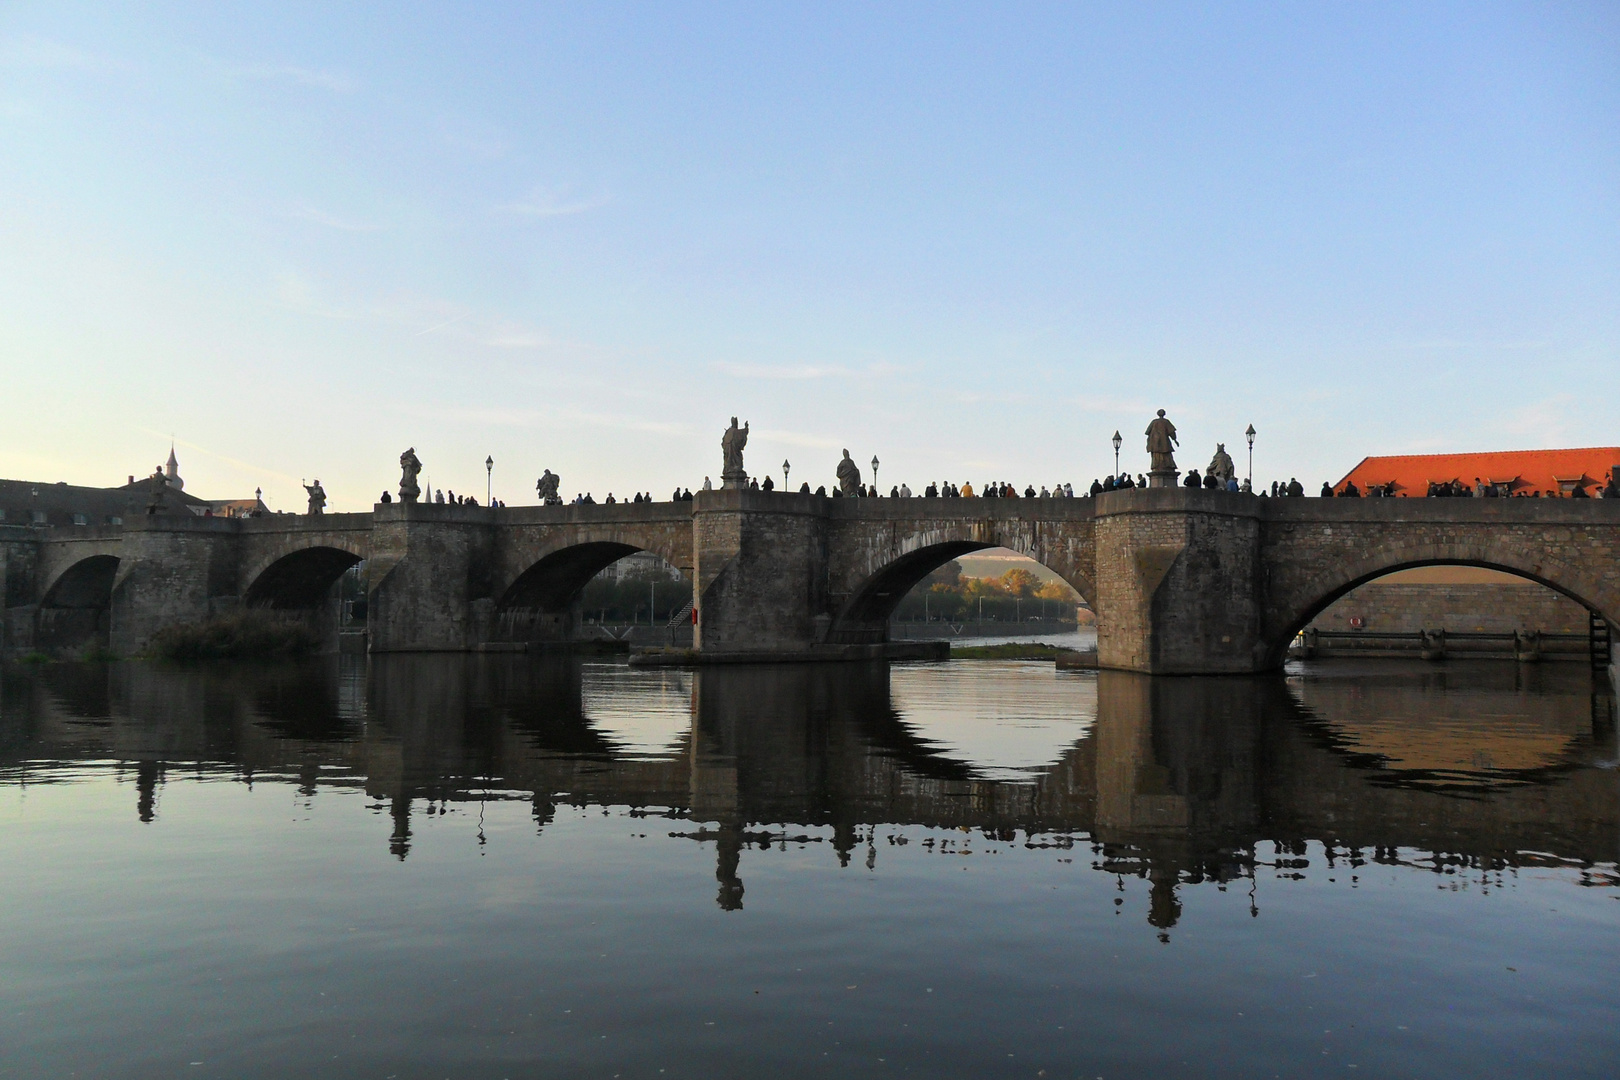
(1179, 781)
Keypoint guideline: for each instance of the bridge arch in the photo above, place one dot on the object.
(879, 588)
(298, 580)
(551, 582)
(1295, 610)
(74, 611)
(540, 601)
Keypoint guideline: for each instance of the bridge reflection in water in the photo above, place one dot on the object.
(1467, 769)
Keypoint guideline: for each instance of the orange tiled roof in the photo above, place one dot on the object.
(1546, 471)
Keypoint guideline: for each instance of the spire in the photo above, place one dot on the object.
(172, 470)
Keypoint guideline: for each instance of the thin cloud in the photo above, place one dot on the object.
(38, 52)
(627, 423)
(247, 466)
(336, 81)
(442, 325)
(310, 214)
(1452, 344)
(297, 292)
(1102, 403)
(553, 202)
(485, 416)
(517, 337)
(1547, 421)
(794, 373)
(794, 438)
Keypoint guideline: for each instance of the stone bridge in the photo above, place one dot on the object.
(1182, 581)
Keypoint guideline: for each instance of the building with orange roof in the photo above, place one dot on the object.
(1507, 473)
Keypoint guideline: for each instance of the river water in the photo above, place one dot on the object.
(496, 866)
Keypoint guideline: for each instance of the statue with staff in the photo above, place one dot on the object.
(1161, 444)
(849, 476)
(732, 475)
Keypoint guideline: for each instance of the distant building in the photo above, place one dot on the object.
(1508, 473)
(232, 508)
(641, 564)
(26, 502)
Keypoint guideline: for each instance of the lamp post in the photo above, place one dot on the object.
(489, 481)
(785, 468)
(1250, 436)
(1117, 441)
(874, 475)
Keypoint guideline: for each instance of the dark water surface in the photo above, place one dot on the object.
(503, 867)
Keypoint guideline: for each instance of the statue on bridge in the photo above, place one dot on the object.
(849, 476)
(546, 488)
(410, 466)
(157, 487)
(1161, 444)
(317, 498)
(1221, 467)
(732, 442)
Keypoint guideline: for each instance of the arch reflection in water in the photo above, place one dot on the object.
(1179, 781)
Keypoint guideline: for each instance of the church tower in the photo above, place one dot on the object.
(172, 471)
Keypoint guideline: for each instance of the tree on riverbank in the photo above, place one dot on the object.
(1017, 594)
(627, 599)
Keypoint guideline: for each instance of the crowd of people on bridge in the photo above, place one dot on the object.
(1479, 489)
(944, 489)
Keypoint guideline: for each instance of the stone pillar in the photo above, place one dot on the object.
(1163, 478)
(429, 578)
(759, 574)
(171, 571)
(1178, 582)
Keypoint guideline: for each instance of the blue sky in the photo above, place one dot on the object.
(970, 240)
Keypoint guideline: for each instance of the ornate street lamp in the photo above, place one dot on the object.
(1117, 441)
(785, 468)
(1250, 436)
(874, 475)
(489, 481)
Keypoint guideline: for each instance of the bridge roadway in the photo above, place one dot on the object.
(1180, 780)
(1182, 581)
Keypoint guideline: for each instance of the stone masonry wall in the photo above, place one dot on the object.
(1490, 609)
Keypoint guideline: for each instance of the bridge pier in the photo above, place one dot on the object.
(171, 571)
(430, 579)
(759, 565)
(1178, 582)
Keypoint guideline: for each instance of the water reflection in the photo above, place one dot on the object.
(1480, 767)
